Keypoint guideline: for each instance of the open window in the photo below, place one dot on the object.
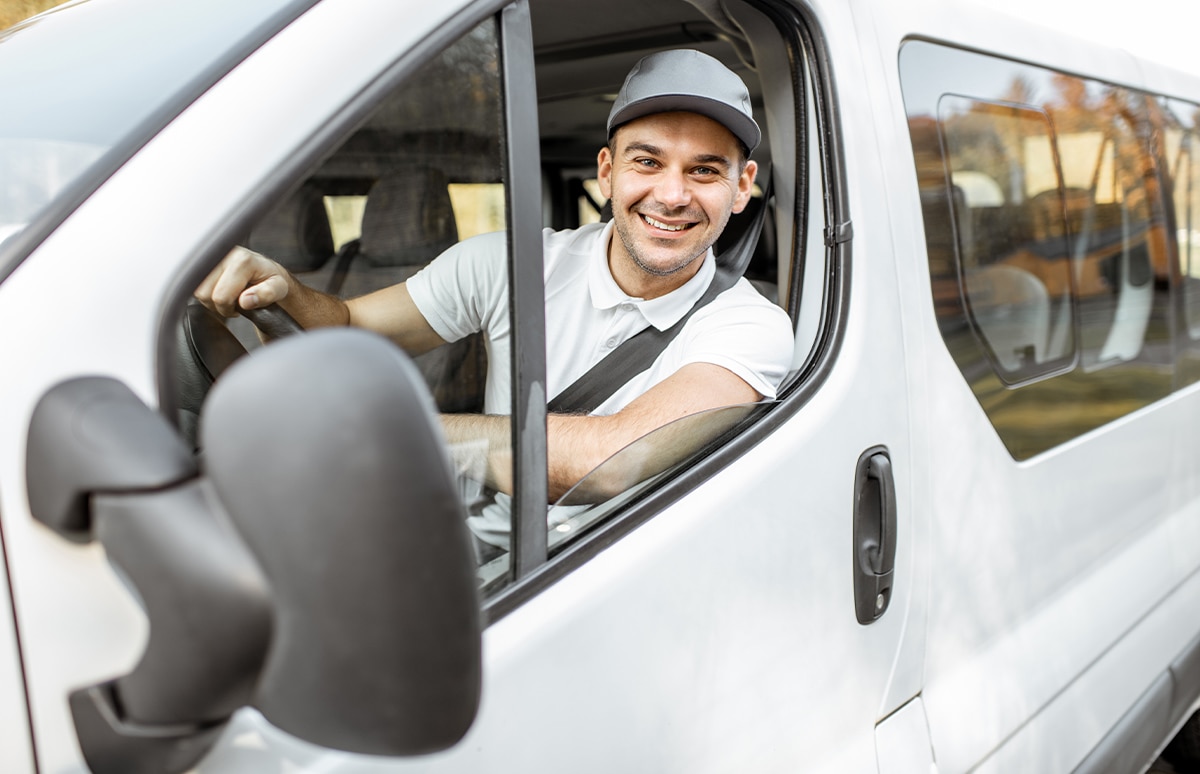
(448, 157)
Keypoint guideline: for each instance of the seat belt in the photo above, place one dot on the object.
(639, 352)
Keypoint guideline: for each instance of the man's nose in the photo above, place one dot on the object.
(673, 191)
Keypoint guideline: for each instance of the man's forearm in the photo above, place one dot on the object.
(481, 447)
(312, 308)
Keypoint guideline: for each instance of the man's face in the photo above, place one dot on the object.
(673, 179)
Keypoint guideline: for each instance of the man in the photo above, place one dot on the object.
(675, 169)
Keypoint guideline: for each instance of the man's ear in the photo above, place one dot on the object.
(604, 171)
(745, 186)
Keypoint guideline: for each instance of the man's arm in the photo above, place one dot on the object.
(247, 280)
(576, 445)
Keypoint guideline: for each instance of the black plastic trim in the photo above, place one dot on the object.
(527, 295)
(16, 250)
(807, 47)
(113, 745)
(1185, 672)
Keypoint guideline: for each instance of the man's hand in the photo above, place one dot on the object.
(243, 280)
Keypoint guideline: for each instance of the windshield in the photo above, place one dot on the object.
(84, 86)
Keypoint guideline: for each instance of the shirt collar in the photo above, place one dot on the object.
(661, 312)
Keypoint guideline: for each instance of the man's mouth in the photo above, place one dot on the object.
(666, 226)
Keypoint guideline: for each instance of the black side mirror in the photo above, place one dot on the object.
(325, 451)
(318, 567)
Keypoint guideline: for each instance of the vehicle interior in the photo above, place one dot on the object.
(426, 170)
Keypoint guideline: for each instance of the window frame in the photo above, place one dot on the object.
(526, 293)
(814, 90)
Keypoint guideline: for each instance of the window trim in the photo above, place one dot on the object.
(527, 297)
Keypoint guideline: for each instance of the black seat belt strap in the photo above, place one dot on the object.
(639, 352)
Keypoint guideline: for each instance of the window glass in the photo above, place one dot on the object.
(1119, 248)
(98, 97)
(1006, 201)
(1182, 135)
(1046, 240)
(478, 208)
(412, 196)
(345, 215)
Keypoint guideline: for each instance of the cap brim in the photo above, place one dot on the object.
(740, 125)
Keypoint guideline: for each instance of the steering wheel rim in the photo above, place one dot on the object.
(205, 347)
(273, 320)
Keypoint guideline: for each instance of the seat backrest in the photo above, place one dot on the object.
(296, 233)
(407, 222)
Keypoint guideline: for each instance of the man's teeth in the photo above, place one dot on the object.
(665, 226)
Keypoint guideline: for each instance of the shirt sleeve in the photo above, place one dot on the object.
(743, 333)
(465, 289)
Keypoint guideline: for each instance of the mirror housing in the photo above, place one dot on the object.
(327, 453)
(316, 565)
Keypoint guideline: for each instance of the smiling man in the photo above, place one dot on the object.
(675, 168)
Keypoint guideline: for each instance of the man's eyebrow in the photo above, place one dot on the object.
(714, 159)
(643, 147)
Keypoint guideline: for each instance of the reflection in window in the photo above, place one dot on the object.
(1007, 206)
(1046, 240)
(1182, 148)
(1114, 252)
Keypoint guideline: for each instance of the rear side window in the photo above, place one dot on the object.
(1181, 132)
(1048, 245)
(1007, 202)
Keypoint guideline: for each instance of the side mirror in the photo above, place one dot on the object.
(324, 450)
(318, 566)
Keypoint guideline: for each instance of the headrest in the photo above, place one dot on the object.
(296, 233)
(408, 219)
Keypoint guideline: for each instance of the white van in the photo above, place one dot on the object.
(965, 537)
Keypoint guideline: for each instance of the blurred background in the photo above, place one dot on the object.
(13, 11)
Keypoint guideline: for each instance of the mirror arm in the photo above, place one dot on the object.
(103, 465)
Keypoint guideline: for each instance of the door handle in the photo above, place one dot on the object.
(874, 534)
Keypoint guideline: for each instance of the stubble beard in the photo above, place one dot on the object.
(642, 261)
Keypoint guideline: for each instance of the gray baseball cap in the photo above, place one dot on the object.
(689, 81)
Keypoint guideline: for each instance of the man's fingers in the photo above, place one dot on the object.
(271, 290)
(243, 279)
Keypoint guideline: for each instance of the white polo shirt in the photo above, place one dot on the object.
(465, 290)
(588, 315)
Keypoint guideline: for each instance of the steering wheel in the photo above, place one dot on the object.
(205, 347)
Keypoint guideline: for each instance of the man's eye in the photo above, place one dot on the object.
(649, 163)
